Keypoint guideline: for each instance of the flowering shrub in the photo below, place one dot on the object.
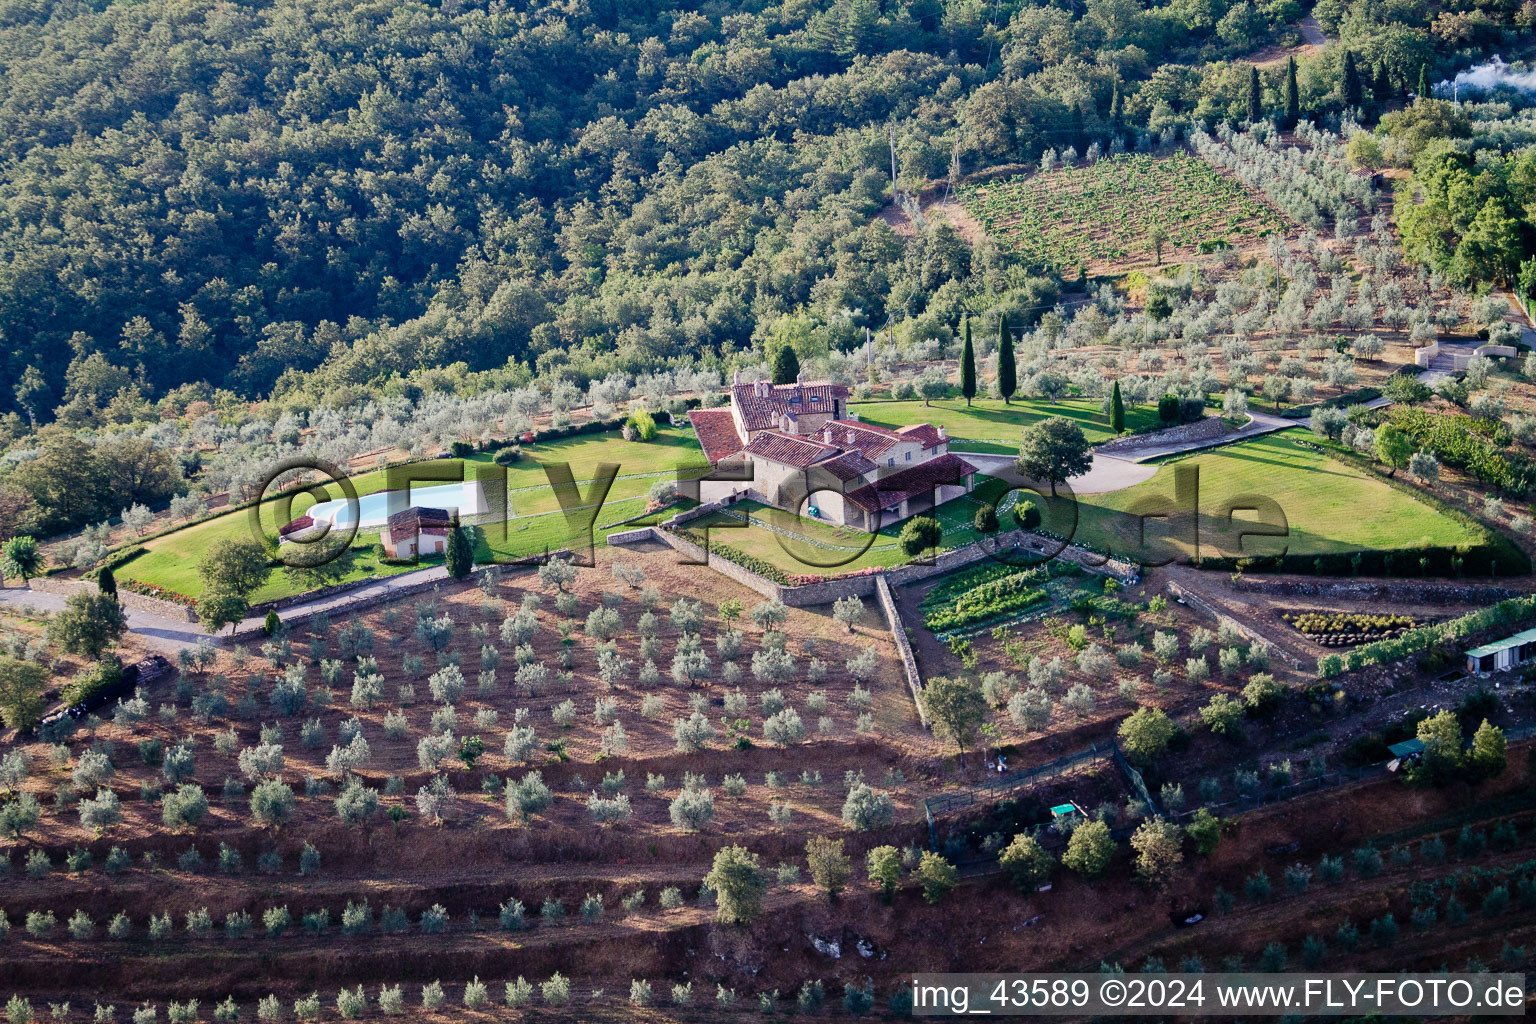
(152, 590)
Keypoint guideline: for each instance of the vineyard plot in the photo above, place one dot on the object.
(1101, 216)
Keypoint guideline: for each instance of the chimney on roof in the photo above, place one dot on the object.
(800, 377)
(826, 434)
(941, 432)
(736, 377)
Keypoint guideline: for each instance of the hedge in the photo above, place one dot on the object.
(97, 681)
(1487, 559)
(122, 556)
(1508, 612)
(767, 570)
(118, 559)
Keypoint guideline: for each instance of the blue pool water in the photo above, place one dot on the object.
(375, 509)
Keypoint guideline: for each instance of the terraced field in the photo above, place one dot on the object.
(1100, 216)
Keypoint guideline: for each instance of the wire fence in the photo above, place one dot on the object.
(987, 792)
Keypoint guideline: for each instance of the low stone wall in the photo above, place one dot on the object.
(322, 594)
(887, 601)
(1376, 591)
(697, 512)
(863, 584)
(1500, 351)
(1254, 636)
(127, 598)
(1201, 430)
(387, 596)
(1424, 355)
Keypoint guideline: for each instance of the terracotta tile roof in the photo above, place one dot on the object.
(869, 440)
(890, 491)
(791, 450)
(409, 522)
(848, 466)
(301, 523)
(761, 412)
(716, 430)
(925, 434)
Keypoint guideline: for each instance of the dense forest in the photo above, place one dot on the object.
(308, 196)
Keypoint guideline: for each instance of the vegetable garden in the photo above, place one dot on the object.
(1102, 215)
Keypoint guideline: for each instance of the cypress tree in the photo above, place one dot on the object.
(1423, 82)
(1381, 88)
(1116, 105)
(459, 556)
(106, 582)
(1116, 409)
(784, 364)
(968, 366)
(1255, 95)
(1007, 382)
(1292, 94)
(1354, 89)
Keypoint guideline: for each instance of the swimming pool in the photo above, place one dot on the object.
(374, 510)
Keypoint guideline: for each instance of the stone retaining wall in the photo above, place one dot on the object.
(862, 584)
(1385, 593)
(172, 610)
(321, 594)
(1201, 430)
(903, 646)
(384, 596)
(1254, 636)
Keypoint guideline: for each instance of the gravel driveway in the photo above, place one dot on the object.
(167, 635)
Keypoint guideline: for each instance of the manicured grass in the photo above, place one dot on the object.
(171, 561)
(800, 545)
(990, 420)
(1328, 506)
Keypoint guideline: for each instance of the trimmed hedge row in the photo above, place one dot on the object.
(767, 570)
(1512, 611)
(751, 563)
(1490, 559)
(1494, 552)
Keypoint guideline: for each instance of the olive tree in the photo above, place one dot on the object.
(738, 882)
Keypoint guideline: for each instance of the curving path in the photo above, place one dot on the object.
(1116, 473)
(166, 635)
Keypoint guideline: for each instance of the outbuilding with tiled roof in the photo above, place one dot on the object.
(416, 531)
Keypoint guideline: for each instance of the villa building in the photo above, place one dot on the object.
(414, 531)
(807, 454)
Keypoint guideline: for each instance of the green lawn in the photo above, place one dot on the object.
(989, 420)
(800, 545)
(537, 524)
(1328, 506)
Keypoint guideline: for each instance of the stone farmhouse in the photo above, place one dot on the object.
(808, 455)
(416, 531)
